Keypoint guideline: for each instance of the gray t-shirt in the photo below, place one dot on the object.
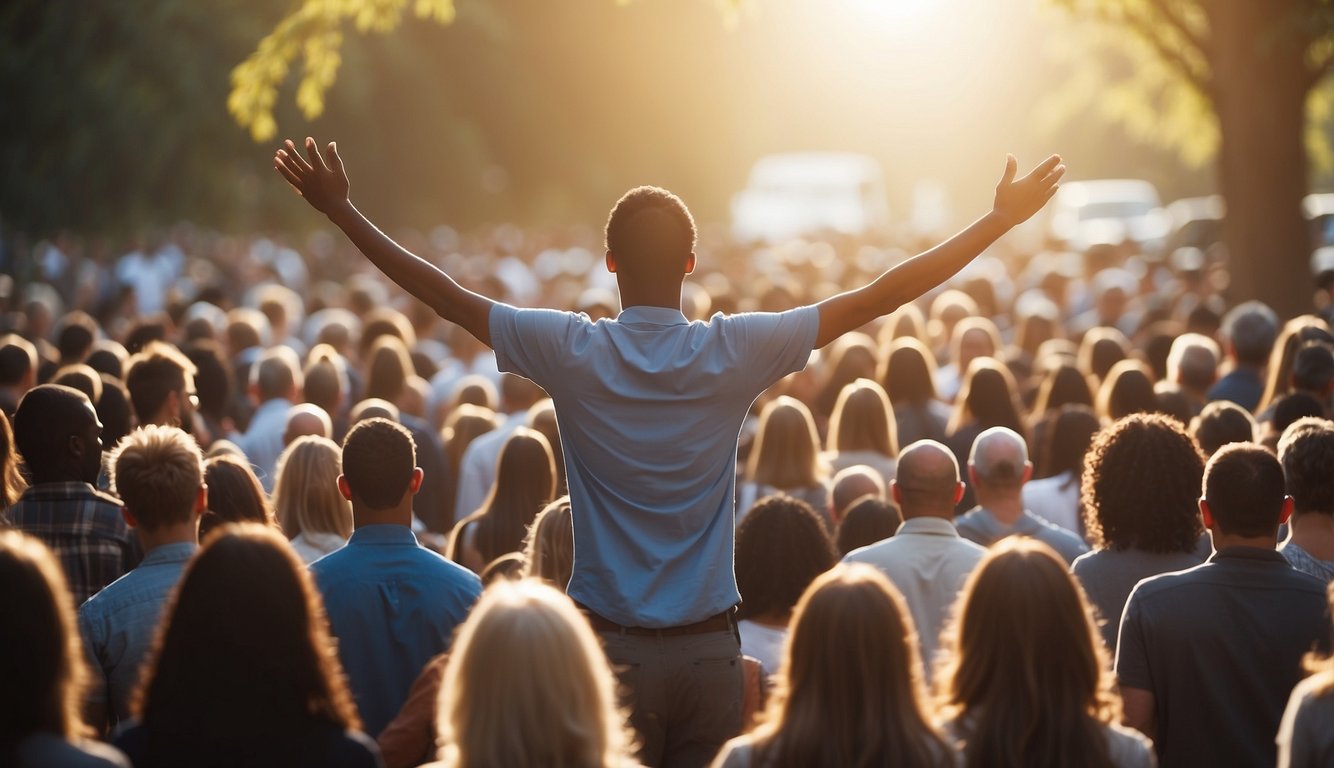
(979, 525)
(1108, 576)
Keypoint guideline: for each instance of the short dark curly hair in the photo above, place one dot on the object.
(1141, 486)
(781, 546)
(650, 242)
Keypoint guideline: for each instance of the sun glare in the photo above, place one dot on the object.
(897, 10)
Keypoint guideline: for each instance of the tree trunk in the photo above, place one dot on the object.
(1260, 82)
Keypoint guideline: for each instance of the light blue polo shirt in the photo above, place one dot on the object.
(650, 407)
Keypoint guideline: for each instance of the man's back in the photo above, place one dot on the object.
(980, 526)
(119, 624)
(650, 407)
(1220, 647)
(928, 562)
(83, 528)
(393, 605)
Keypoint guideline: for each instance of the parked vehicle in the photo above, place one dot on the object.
(790, 195)
(1086, 213)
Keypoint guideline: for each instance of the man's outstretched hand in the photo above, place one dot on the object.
(319, 178)
(1017, 201)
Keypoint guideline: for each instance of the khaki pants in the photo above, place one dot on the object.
(684, 693)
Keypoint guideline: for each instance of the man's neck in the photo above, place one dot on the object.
(180, 533)
(364, 516)
(1006, 509)
(1224, 541)
(1314, 532)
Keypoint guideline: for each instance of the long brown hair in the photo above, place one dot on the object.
(525, 482)
(850, 690)
(787, 449)
(12, 483)
(41, 657)
(1027, 682)
(243, 663)
(863, 421)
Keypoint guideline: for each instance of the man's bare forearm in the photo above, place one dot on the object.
(414, 274)
(906, 281)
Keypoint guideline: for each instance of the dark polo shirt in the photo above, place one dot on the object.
(1220, 646)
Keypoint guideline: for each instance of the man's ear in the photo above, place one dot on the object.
(611, 262)
(344, 488)
(1028, 471)
(129, 517)
(690, 263)
(1287, 510)
(201, 499)
(959, 490)
(897, 495)
(1206, 514)
(417, 476)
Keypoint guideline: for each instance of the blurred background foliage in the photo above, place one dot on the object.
(117, 114)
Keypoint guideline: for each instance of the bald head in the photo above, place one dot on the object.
(307, 419)
(999, 459)
(927, 484)
(851, 484)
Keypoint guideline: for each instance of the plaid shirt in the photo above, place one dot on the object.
(83, 528)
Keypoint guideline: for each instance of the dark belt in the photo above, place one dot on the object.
(720, 622)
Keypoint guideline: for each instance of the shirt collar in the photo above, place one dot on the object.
(61, 489)
(383, 534)
(928, 526)
(1250, 554)
(650, 315)
(176, 552)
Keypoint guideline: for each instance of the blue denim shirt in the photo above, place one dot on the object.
(119, 623)
(392, 605)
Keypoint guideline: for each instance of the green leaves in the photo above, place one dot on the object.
(313, 32)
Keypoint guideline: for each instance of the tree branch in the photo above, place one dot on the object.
(1144, 27)
(1179, 24)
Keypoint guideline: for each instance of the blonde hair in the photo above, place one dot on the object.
(528, 684)
(786, 453)
(549, 548)
(305, 495)
(850, 689)
(157, 471)
(1028, 678)
(863, 421)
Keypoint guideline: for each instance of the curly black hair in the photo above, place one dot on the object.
(1141, 485)
(781, 546)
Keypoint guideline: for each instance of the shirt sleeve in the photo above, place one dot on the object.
(532, 342)
(774, 344)
(1132, 663)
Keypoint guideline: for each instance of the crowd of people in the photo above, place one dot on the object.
(814, 504)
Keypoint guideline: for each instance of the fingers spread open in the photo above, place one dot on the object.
(298, 163)
(313, 154)
(291, 178)
(335, 161)
(1054, 176)
(1044, 168)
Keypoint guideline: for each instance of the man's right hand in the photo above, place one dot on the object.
(323, 184)
(1017, 201)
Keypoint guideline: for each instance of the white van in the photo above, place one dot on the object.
(789, 195)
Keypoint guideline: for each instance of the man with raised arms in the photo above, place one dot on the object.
(650, 406)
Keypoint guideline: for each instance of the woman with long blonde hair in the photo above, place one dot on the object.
(850, 688)
(525, 482)
(1027, 682)
(310, 510)
(786, 458)
(1305, 739)
(527, 683)
(862, 430)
